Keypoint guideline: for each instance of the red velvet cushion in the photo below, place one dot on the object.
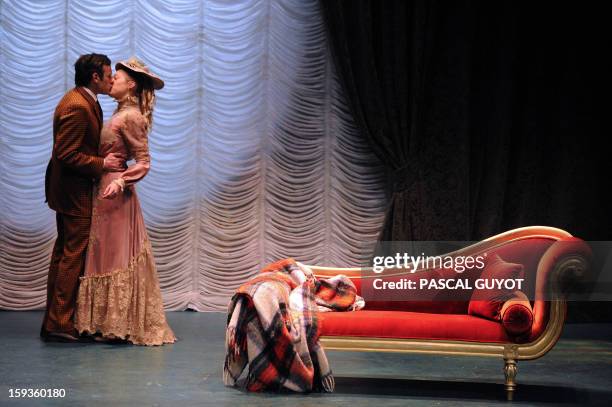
(517, 314)
(412, 325)
(442, 301)
(487, 303)
(432, 306)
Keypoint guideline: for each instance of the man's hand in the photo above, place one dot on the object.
(113, 162)
(111, 191)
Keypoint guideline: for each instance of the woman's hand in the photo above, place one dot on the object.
(114, 162)
(112, 190)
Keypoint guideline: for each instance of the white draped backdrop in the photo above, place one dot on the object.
(255, 154)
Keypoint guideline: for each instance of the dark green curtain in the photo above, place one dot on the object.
(487, 115)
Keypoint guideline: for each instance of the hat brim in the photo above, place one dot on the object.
(155, 80)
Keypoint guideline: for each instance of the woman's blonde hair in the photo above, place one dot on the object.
(146, 104)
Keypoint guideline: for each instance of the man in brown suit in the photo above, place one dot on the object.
(71, 174)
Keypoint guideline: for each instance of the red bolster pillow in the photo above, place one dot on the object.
(517, 314)
(487, 303)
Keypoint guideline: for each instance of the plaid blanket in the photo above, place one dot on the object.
(272, 327)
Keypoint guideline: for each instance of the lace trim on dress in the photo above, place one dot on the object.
(125, 303)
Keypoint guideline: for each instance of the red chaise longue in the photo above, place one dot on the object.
(524, 326)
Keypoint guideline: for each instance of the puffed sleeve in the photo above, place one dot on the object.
(134, 133)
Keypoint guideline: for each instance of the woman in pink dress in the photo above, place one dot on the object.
(119, 296)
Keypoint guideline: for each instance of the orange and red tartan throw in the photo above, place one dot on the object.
(272, 327)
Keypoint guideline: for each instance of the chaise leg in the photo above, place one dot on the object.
(510, 370)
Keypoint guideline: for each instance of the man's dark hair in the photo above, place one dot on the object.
(86, 65)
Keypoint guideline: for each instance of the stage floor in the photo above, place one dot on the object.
(578, 371)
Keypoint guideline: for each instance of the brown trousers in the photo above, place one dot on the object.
(67, 265)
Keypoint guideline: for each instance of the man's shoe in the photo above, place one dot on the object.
(86, 338)
(99, 338)
(61, 337)
(112, 339)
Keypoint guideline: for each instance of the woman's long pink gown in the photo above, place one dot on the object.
(119, 292)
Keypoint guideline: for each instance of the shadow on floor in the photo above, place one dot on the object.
(436, 389)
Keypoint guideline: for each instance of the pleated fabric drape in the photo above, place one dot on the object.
(255, 153)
